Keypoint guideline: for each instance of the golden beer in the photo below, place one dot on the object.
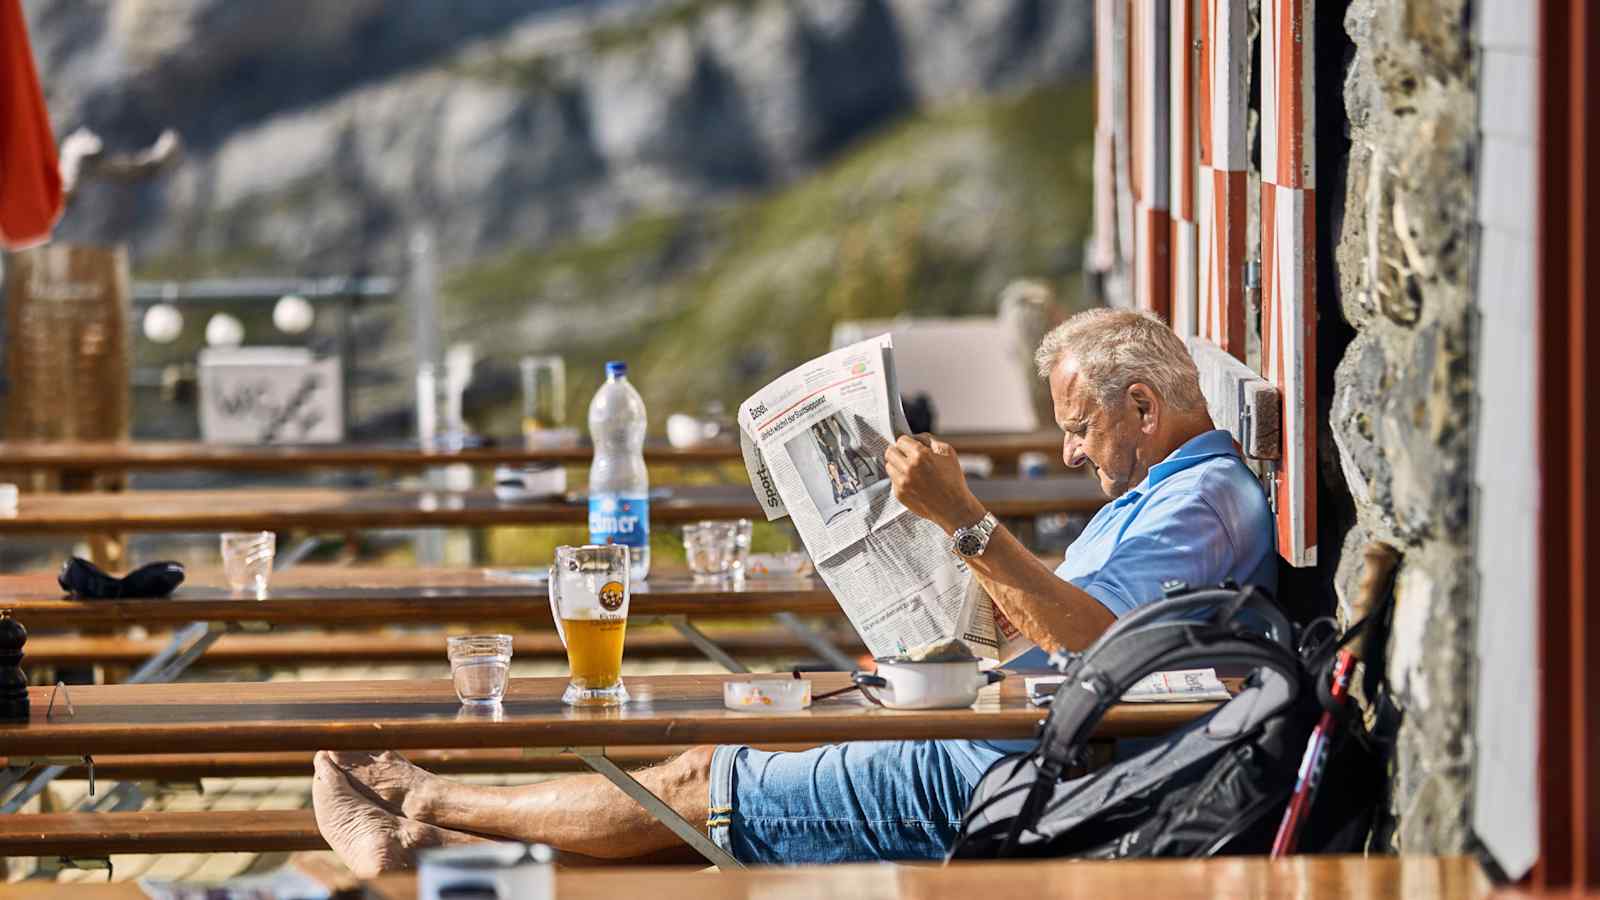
(594, 650)
(589, 601)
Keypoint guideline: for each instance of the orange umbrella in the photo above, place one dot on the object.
(30, 180)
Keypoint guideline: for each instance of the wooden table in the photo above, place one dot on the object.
(1298, 878)
(354, 715)
(327, 509)
(424, 713)
(355, 597)
(1301, 878)
(366, 596)
(96, 456)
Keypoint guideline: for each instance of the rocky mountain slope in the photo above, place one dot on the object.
(704, 185)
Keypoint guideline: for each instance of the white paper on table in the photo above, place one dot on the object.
(1177, 686)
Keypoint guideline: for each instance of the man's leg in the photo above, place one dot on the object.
(895, 800)
(583, 814)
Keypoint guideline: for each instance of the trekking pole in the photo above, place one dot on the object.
(1380, 560)
(1310, 775)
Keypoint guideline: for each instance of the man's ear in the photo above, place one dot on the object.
(1145, 406)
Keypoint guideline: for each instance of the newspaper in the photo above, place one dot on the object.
(1177, 686)
(813, 442)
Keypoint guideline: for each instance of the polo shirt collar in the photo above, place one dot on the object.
(1196, 450)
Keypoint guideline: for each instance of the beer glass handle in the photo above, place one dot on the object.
(555, 605)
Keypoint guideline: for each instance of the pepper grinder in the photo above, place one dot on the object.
(13, 684)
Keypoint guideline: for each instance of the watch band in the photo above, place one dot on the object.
(972, 540)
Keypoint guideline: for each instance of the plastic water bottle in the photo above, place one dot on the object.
(619, 486)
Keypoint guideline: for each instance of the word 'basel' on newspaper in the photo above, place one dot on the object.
(814, 441)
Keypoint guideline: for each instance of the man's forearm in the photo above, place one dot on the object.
(1053, 613)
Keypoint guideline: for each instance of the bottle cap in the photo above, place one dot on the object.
(616, 368)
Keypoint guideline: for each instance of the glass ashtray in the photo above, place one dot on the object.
(767, 695)
(778, 565)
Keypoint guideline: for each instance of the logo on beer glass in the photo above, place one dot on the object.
(611, 596)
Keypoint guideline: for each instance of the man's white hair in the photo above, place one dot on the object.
(1116, 348)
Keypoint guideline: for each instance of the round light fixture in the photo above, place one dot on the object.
(162, 323)
(224, 331)
(293, 314)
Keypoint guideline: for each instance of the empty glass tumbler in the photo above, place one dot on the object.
(712, 548)
(247, 559)
(589, 601)
(480, 667)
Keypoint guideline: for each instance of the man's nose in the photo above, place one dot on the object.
(1071, 453)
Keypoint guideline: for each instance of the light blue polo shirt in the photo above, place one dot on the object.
(1199, 516)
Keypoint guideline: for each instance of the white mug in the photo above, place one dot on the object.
(902, 684)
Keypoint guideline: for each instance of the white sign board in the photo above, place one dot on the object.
(974, 369)
(270, 395)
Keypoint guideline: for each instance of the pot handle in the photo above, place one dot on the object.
(864, 680)
(992, 676)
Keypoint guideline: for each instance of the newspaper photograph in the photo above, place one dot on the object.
(813, 442)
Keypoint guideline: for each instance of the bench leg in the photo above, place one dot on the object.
(185, 647)
(704, 644)
(596, 759)
(819, 644)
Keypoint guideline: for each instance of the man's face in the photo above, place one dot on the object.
(1107, 439)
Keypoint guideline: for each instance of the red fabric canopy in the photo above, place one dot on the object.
(30, 180)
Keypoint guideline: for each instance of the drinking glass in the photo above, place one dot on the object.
(743, 531)
(589, 601)
(247, 559)
(479, 666)
(544, 387)
(711, 548)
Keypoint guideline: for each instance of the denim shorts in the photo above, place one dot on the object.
(861, 801)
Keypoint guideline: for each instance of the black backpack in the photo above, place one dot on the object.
(1216, 786)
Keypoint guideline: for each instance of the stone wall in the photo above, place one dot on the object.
(1399, 244)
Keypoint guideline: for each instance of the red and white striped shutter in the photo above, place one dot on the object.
(1149, 95)
(1103, 242)
(1288, 262)
(1224, 71)
(1185, 234)
(1121, 124)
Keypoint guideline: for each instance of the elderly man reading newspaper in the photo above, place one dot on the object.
(1183, 506)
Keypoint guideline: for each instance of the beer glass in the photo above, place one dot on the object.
(589, 601)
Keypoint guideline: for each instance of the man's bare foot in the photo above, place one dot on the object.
(391, 780)
(367, 838)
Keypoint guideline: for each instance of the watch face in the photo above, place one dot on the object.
(969, 544)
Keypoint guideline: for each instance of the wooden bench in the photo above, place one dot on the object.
(311, 647)
(188, 767)
(95, 835)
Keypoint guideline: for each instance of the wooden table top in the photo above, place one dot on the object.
(1297, 878)
(424, 713)
(96, 455)
(290, 509)
(368, 595)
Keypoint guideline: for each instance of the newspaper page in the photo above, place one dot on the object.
(813, 442)
(1177, 686)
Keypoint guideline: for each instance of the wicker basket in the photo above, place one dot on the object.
(67, 346)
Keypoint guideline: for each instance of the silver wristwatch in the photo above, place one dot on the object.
(972, 540)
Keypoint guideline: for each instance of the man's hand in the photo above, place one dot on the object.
(928, 479)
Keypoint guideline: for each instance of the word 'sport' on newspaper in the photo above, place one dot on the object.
(813, 442)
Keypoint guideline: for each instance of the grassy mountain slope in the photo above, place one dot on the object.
(931, 217)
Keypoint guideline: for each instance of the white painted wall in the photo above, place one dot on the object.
(1505, 806)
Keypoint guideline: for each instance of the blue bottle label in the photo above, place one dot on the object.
(619, 519)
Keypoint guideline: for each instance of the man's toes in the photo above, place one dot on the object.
(365, 837)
